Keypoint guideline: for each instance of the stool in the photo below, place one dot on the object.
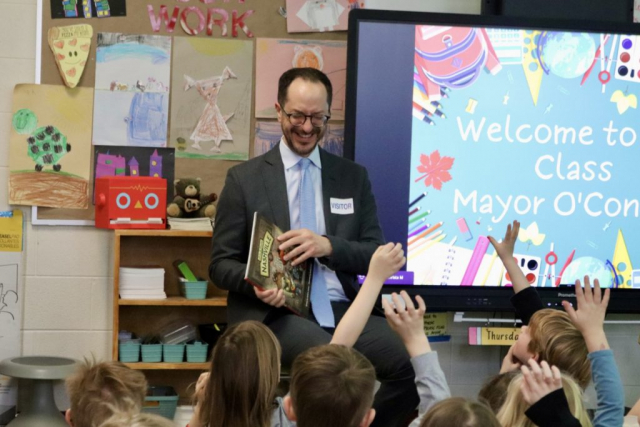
(39, 409)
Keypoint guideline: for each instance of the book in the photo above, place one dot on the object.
(266, 268)
(193, 224)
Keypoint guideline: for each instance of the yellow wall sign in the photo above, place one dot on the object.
(11, 231)
(435, 324)
(493, 336)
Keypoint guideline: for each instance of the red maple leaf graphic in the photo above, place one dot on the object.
(435, 169)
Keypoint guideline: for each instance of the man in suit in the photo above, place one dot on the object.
(341, 233)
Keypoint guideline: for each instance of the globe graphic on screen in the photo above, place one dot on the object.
(588, 266)
(567, 55)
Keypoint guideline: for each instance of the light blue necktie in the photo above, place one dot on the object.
(320, 303)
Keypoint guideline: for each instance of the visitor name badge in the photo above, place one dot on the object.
(341, 206)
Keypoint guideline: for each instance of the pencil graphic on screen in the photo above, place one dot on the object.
(424, 233)
(427, 246)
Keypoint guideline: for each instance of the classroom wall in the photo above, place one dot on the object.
(67, 287)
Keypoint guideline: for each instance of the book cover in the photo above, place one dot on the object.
(266, 268)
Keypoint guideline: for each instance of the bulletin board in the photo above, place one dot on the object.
(265, 21)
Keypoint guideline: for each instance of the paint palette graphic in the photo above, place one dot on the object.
(628, 59)
(530, 266)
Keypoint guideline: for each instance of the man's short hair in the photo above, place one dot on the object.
(308, 74)
(555, 339)
(97, 389)
(331, 385)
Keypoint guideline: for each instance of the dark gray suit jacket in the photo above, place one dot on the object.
(259, 185)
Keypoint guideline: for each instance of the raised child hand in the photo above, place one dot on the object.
(408, 322)
(386, 261)
(589, 317)
(539, 380)
(505, 247)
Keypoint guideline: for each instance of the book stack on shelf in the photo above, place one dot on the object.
(142, 282)
(192, 224)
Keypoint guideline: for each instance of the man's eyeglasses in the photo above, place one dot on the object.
(299, 119)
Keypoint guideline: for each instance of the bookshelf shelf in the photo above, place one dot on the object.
(146, 317)
(178, 301)
(160, 366)
(163, 233)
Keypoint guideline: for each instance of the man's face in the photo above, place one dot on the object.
(306, 98)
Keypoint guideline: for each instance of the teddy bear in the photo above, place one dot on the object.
(189, 203)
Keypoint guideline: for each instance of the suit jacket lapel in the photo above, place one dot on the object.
(330, 186)
(276, 187)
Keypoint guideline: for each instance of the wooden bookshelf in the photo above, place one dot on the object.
(145, 317)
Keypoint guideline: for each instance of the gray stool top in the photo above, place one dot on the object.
(38, 367)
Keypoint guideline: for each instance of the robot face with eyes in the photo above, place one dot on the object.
(126, 202)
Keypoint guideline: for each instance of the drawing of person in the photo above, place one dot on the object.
(211, 125)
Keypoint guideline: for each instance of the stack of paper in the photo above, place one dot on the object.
(194, 224)
(142, 282)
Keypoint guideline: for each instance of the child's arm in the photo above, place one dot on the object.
(504, 249)
(526, 300)
(408, 323)
(385, 262)
(542, 389)
(589, 319)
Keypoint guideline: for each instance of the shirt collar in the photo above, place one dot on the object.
(290, 159)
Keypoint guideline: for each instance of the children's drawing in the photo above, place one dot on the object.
(268, 134)
(9, 307)
(132, 90)
(70, 46)
(211, 124)
(211, 116)
(46, 144)
(134, 161)
(87, 8)
(47, 121)
(8, 298)
(317, 15)
(275, 56)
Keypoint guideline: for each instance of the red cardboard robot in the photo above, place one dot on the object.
(128, 202)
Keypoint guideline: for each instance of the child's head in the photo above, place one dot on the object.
(244, 374)
(552, 337)
(459, 412)
(512, 412)
(97, 389)
(331, 385)
(494, 390)
(124, 419)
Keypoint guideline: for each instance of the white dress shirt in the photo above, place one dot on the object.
(292, 176)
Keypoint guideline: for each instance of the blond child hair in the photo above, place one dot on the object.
(125, 419)
(97, 389)
(459, 412)
(555, 339)
(512, 413)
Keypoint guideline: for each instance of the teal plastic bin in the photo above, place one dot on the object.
(173, 353)
(197, 352)
(151, 352)
(194, 290)
(129, 352)
(161, 401)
